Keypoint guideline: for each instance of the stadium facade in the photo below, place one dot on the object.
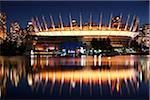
(118, 31)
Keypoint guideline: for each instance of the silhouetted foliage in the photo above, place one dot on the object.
(94, 43)
(16, 41)
(102, 43)
(137, 47)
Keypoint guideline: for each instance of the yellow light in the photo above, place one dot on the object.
(86, 74)
(117, 18)
(87, 33)
(117, 87)
(30, 82)
(109, 57)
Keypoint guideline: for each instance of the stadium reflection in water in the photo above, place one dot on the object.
(96, 77)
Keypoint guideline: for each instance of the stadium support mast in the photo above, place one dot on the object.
(45, 24)
(119, 21)
(100, 23)
(52, 21)
(136, 25)
(34, 25)
(61, 22)
(110, 21)
(127, 22)
(90, 21)
(70, 21)
(80, 21)
(38, 23)
(132, 23)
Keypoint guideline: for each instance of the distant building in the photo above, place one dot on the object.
(2, 25)
(15, 27)
(116, 21)
(146, 34)
(14, 32)
(30, 27)
(74, 22)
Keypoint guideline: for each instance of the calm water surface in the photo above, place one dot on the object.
(89, 77)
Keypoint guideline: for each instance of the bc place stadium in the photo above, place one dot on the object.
(79, 35)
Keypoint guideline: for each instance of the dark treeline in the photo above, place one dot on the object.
(10, 48)
(138, 47)
(17, 41)
(102, 44)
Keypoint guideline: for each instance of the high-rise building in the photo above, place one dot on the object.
(2, 25)
(14, 32)
(30, 27)
(146, 32)
(15, 27)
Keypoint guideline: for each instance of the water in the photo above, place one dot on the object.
(87, 77)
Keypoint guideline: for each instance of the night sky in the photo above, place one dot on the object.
(23, 11)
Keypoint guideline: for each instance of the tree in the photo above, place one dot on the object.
(94, 43)
(102, 43)
(16, 40)
(137, 47)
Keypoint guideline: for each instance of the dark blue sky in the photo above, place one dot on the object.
(24, 10)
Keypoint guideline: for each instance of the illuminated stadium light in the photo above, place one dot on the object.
(87, 33)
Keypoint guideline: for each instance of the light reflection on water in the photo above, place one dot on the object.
(86, 76)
